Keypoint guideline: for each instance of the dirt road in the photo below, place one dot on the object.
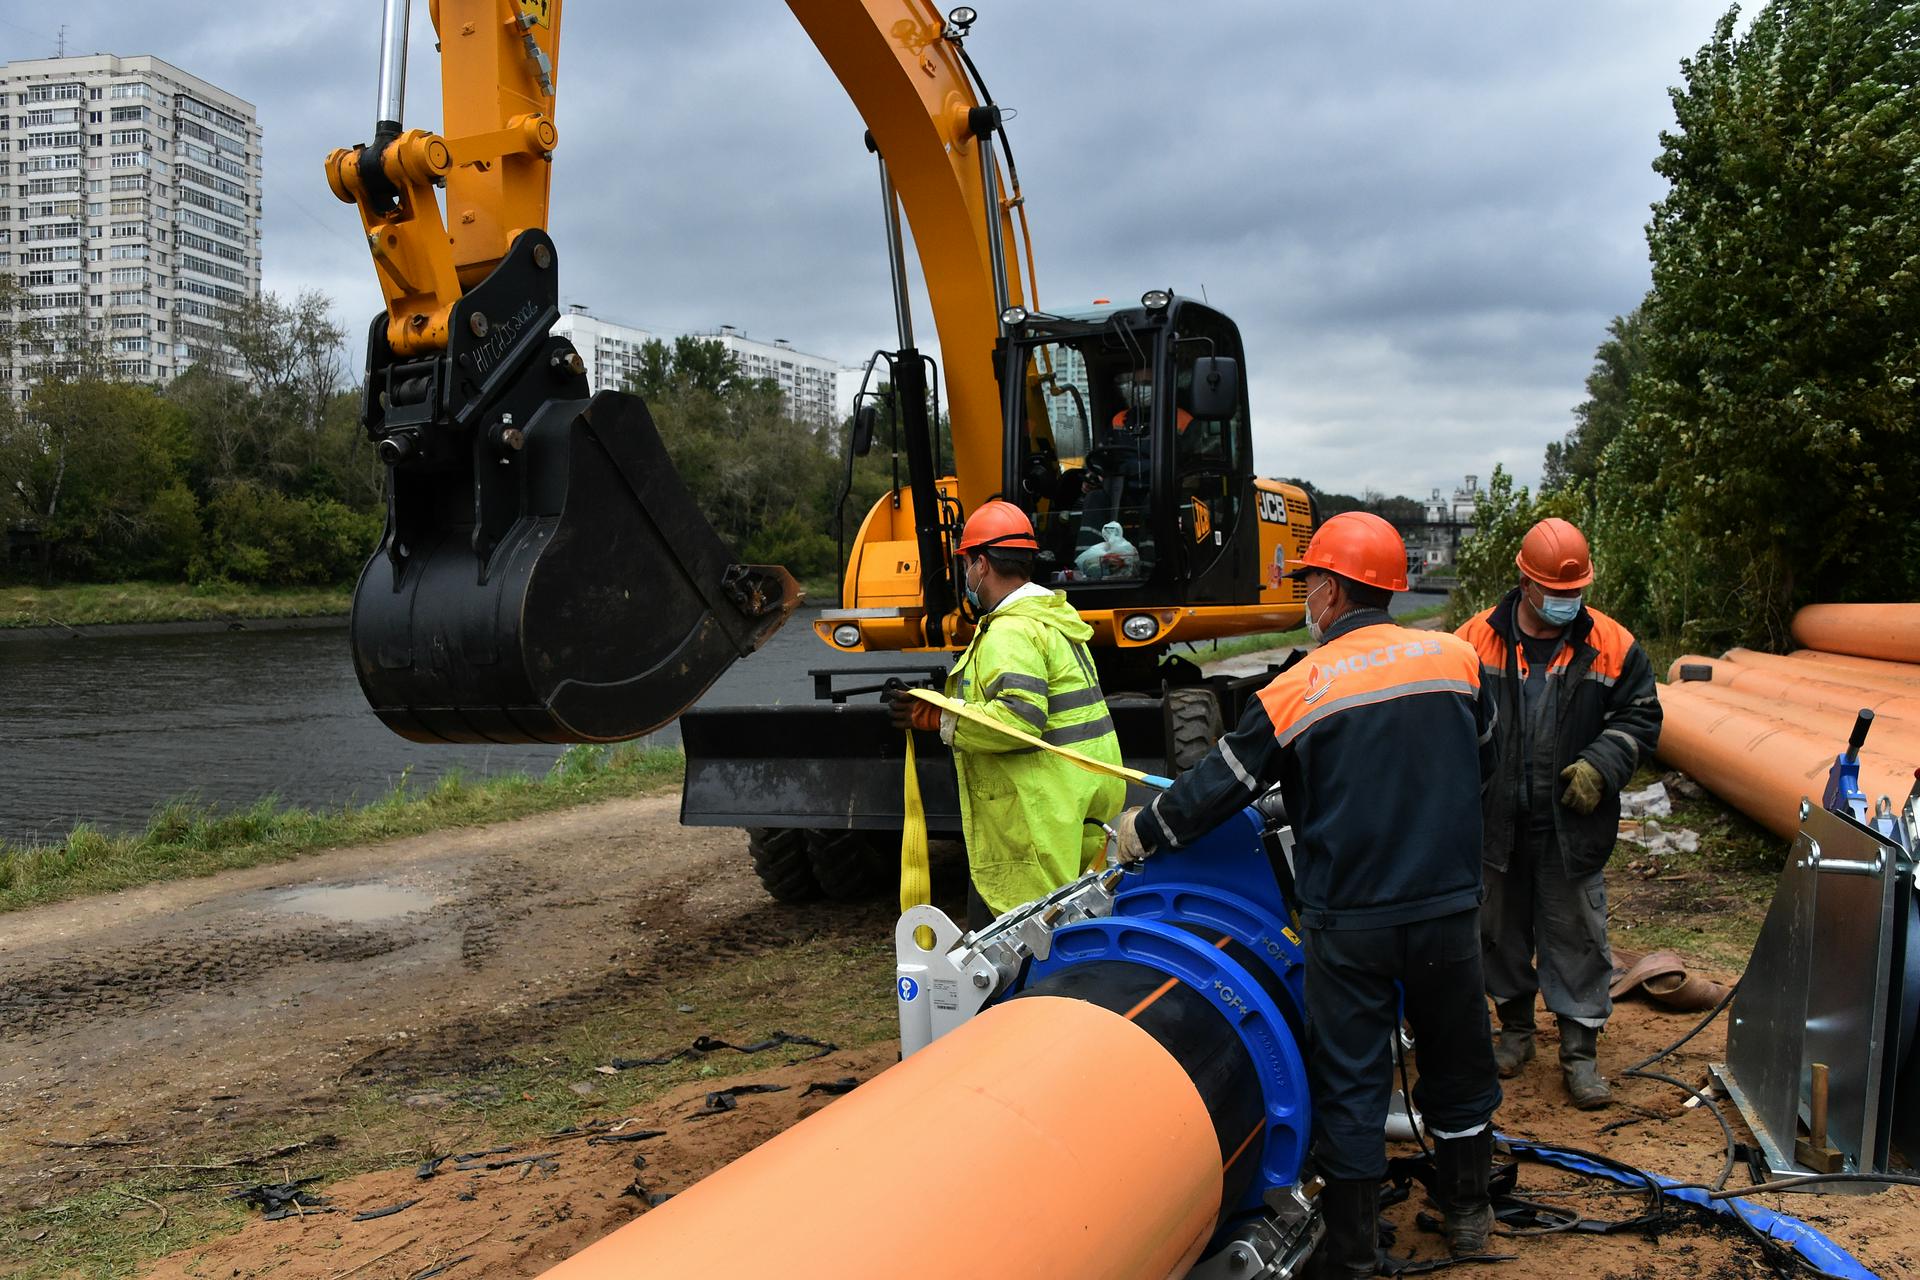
(167, 1016)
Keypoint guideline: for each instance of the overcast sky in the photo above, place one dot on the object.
(1422, 213)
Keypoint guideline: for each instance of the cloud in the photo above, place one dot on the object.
(1422, 216)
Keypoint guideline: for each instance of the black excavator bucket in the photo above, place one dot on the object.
(545, 575)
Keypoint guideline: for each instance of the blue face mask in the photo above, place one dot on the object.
(973, 596)
(1558, 611)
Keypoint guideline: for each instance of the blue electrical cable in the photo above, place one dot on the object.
(1788, 1230)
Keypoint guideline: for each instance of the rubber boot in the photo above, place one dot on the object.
(1513, 1047)
(1349, 1250)
(1579, 1044)
(1462, 1166)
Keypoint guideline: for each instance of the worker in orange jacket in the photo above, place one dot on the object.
(1378, 740)
(1578, 714)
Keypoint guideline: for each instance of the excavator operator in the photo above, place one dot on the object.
(1024, 812)
(1118, 480)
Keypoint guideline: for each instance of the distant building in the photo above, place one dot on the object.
(809, 383)
(129, 197)
(611, 351)
(1434, 548)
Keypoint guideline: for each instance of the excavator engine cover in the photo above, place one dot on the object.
(544, 576)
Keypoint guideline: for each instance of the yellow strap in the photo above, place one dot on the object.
(916, 880)
(981, 718)
(916, 877)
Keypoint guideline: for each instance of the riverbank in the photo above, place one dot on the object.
(187, 839)
(62, 609)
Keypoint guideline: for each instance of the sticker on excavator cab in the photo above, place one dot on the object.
(540, 11)
(1273, 507)
(1202, 521)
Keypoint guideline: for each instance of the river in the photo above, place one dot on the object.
(105, 729)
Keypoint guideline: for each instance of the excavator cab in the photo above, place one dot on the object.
(1128, 443)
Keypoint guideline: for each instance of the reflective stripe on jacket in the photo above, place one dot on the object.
(1023, 810)
(1607, 714)
(1379, 740)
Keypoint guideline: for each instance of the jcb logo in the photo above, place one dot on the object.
(1273, 507)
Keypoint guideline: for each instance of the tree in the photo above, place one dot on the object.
(1574, 462)
(1765, 457)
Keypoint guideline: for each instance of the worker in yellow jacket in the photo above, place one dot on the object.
(1023, 811)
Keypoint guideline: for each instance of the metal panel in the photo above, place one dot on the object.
(1770, 1011)
(1848, 982)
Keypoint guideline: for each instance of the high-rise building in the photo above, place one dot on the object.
(612, 351)
(130, 198)
(809, 383)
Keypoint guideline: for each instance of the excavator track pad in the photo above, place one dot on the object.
(545, 576)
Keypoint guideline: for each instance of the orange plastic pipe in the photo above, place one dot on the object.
(1817, 687)
(1887, 631)
(1897, 677)
(1761, 765)
(1893, 739)
(1045, 1137)
(1905, 674)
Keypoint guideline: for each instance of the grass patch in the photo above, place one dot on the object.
(836, 988)
(1233, 647)
(189, 839)
(1707, 905)
(82, 604)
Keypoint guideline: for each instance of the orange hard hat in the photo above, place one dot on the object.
(1357, 545)
(1554, 554)
(998, 526)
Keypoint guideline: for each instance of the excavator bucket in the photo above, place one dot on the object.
(545, 576)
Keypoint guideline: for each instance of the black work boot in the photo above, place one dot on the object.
(1513, 1047)
(1463, 1166)
(1579, 1045)
(1348, 1251)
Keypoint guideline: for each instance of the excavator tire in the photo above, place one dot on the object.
(845, 864)
(1193, 716)
(780, 860)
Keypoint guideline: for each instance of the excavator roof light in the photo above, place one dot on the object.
(1013, 317)
(1156, 299)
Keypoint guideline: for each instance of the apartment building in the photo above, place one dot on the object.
(611, 350)
(129, 198)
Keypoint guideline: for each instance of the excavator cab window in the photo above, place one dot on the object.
(1089, 413)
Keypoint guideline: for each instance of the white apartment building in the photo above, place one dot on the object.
(129, 195)
(809, 383)
(611, 351)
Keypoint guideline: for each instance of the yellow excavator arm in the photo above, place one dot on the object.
(494, 155)
(544, 574)
(899, 64)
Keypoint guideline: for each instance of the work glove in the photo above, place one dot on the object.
(1585, 787)
(909, 712)
(1127, 844)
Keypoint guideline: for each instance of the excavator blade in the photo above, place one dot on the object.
(606, 607)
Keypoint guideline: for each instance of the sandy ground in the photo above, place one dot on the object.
(181, 1011)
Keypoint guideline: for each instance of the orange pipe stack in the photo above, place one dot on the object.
(993, 1151)
(1762, 730)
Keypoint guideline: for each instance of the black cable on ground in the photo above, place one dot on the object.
(1697, 1029)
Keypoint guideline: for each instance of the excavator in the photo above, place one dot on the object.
(545, 576)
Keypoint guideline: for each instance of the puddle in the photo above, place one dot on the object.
(354, 903)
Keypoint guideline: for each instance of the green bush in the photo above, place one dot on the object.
(256, 535)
